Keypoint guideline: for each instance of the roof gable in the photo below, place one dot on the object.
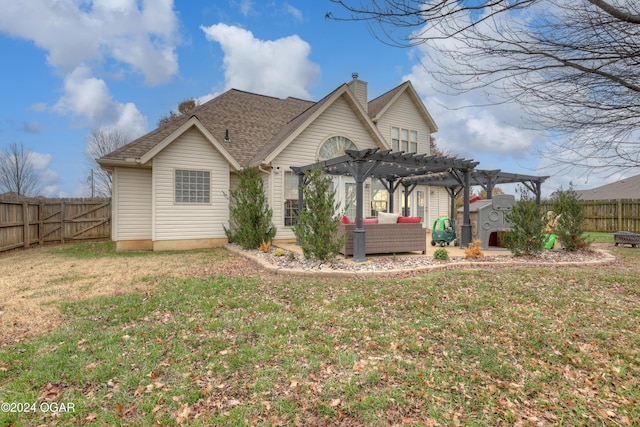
(192, 122)
(380, 105)
(249, 120)
(297, 126)
(258, 127)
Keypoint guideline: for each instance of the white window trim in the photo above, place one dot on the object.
(397, 139)
(182, 203)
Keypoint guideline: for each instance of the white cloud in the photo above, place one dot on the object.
(81, 36)
(467, 129)
(32, 126)
(246, 7)
(88, 97)
(296, 13)
(38, 107)
(75, 33)
(49, 180)
(271, 67)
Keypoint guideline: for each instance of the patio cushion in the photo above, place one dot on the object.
(345, 220)
(409, 219)
(369, 220)
(387, 218)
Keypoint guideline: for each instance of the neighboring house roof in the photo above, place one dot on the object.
(258, 126)
(628, 188)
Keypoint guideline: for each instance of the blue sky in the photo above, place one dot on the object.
(76, 65)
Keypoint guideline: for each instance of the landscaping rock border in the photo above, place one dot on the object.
(411, 264)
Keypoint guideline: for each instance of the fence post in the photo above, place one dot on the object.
(62, 221)
(41, 223)
(620, 215)
(25, 224)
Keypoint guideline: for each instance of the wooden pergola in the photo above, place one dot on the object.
(391, 168)
(410, 170)
(487, 179)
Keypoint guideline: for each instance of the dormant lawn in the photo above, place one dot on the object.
(207, 338)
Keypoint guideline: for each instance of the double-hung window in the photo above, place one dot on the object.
(404, 139)
(192, 186)
(290, 198)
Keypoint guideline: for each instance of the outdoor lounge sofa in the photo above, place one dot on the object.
(387, 238)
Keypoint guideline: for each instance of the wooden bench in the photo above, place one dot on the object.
(387, 238)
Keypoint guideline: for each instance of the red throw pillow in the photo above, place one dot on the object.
(345, 220)
(409, 219)
(369, 220)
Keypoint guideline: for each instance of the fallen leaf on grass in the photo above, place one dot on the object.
(183, 413)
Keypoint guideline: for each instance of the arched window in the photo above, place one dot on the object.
(334, 147)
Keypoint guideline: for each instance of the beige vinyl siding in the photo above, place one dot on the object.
(438, 204)
(132, 204)
(338, 119)
(183, 221)
(404, 114)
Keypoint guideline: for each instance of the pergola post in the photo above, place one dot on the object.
(359, 234)
(453, 193)
(300, 199)
(405, 193)
(465, 227)
(536, 188)
(489, 188)
(391, 186)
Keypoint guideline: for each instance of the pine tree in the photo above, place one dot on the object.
(527, 227)
(318, 222)
(250, 215)
(569, 219)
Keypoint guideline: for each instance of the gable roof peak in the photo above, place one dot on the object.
(379, 105)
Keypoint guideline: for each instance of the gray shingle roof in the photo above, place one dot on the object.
(251, 119)
(628, 188)
(376, 105)
(256, 124)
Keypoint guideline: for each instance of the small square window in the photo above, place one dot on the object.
(192, 186)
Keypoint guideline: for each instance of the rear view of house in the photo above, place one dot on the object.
(170, 185)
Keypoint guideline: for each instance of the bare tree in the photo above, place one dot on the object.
(101, 142)
(17, 172)
(183, 108)
(572, 64)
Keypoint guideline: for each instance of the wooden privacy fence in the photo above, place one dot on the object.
(23, 223)
(609, 215)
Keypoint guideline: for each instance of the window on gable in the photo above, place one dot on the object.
(192, 186)
(395, 139)
(413, 141)
(404, 139)
(335, 147)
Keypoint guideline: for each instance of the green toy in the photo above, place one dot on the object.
(443, 231)
(549, 241)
